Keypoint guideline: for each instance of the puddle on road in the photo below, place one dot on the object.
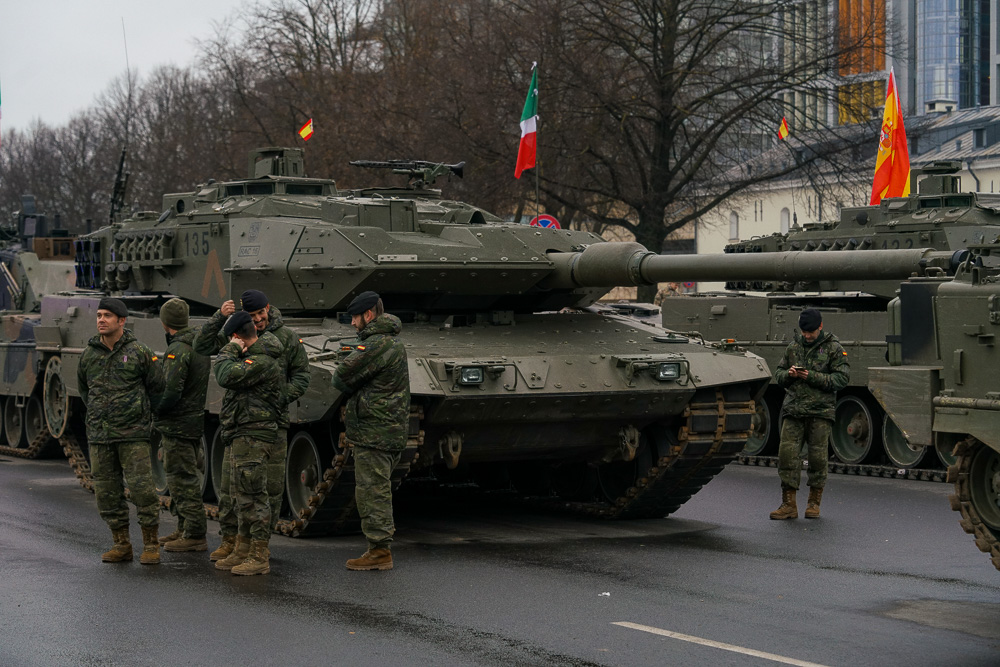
(972, 618)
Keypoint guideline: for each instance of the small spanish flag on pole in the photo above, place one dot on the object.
(306, 130)
(783, 129)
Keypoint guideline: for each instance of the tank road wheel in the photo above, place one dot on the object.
(946, 456)
(764, 430)
(574, 480)
(156, 454)
(34, 419)
(899, 451)
(854, 430)
(55, 398)
(213, 465)
(977, 494)
(303, 471)
(13, 423)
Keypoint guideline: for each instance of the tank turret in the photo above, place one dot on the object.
(760, 312)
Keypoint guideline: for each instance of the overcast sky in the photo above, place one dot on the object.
(56, 56)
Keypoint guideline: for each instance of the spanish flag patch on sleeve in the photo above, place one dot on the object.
(171, 356)
(248, 361)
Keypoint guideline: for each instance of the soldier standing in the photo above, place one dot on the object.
(249, 369)
(812, 371)
(179, 416)
(116, 376)
(296, 366)
(376, 378)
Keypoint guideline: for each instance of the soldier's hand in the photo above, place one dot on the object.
(228, 308)
(239, 341)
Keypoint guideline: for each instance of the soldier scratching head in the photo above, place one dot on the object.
(364, 308)
(240, 327)
(810, 324)
(255, 302)
(174, 315)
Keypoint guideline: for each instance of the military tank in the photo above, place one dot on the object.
(941, 385)
(36, 257)
(761, 315)
(514, 383)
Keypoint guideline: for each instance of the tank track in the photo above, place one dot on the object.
(34, 448)
(864, 470)
(331, 508)
(961, 501)
(713, 434)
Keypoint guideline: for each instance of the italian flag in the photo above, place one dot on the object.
(529, 127)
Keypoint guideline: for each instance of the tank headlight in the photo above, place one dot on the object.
(668, 371)
(471, 375)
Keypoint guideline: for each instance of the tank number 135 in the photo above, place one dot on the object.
(196, 243)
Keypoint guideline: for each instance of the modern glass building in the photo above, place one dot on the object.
(953, 55)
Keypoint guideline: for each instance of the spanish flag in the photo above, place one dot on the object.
(306, 130)
(892, 166)
(783, 129)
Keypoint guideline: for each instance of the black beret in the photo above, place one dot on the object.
(116, 306)
(810, 319)
(362, 302)
(253, 300)
(236, 322)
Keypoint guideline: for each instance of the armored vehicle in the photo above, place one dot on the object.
(513, 382)
(942, 387)
(762, 315)
(34, 260)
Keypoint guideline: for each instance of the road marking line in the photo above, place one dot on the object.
(715, 644)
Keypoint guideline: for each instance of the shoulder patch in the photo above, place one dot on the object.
(843, 352)
(361, 348)
(169, 356)
(300, 340)
(248, 361)
(155, 357)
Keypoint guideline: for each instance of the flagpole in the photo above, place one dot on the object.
(538, 162)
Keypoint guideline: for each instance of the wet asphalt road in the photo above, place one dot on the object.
(886, 577)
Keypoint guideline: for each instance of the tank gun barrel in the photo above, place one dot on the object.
(612, 264)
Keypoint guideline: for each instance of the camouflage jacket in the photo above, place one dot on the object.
(116, 385)
(180, 409)
(254, 382)
(293, 357)
(378, 382)
(829, 371)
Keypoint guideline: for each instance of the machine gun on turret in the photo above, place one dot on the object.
(419, 173)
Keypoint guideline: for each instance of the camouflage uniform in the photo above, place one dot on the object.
(115, 386)
(376, 420)
(179, 416)
(296, 367)
(208, 343)
(810, 405)
(254, 382)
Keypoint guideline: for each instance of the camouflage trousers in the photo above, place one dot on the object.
(815, 432)
(184, 465)
(251, 458)
(228, 519)
(373, 494)
(276, 475)
(110, 462)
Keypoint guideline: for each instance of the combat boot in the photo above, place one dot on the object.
(787, 509)
(226, 548)
(373, 559)
(122, 550)
(812, 506)
(257, 562)
(150, 546)
(176, 535)
(187, 544)
(240, 552)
